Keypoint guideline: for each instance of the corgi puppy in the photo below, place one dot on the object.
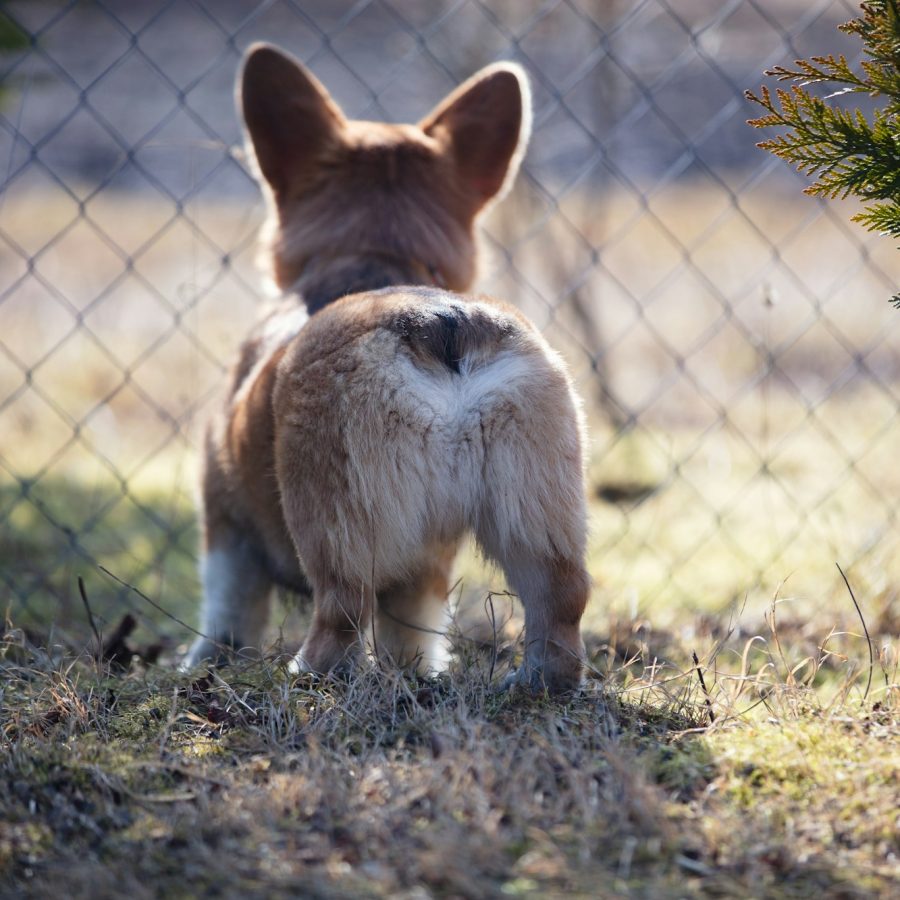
(378, 413)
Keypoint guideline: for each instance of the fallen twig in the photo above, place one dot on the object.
(709, 709)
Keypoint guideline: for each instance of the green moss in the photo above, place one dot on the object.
(806, 773)
(143, 721)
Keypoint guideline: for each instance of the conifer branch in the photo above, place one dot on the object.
(845, 152)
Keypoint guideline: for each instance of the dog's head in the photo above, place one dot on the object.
(339, 186)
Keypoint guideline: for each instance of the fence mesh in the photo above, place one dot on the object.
(732, 339)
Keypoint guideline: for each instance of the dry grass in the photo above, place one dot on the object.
(244, 781)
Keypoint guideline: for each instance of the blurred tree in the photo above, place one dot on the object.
(845, 151)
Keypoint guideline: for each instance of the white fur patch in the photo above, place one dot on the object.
(283, 327)
(415, 634)
(235, 596)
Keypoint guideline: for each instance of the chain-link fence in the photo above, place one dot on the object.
(732, 339)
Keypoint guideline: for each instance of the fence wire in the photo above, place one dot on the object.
(732, 339)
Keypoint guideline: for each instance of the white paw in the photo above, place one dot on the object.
(202, 650)
(298, 665)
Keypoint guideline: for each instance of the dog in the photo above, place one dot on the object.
(377, 413)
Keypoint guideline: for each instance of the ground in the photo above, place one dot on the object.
(773, 776)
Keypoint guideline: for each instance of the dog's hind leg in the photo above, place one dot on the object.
(554, 593)
(532, 521)
(411, 617)
(335, 639)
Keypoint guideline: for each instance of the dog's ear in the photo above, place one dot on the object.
(291, 119)
(485, 124)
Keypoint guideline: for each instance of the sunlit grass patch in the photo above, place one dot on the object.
(718, 521)
(812, 793)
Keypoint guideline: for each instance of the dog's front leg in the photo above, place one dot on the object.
(236, 597)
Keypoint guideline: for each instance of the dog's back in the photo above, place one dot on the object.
(365, 442)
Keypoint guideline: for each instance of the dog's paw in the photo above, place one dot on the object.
(203, 650)
(518, 680)
(342, 671)
(299, 666)
(537, 682)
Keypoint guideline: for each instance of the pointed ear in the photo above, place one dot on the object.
(290, 118)
(486, 123)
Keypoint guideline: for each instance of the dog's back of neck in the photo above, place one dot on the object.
(326, 278)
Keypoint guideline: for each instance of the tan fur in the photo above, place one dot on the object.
(357, 448)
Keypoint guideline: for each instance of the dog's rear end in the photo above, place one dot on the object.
(367, 442)
(433, 415)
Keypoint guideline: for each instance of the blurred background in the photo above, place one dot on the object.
(732, 338)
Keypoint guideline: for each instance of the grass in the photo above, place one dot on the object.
(61, 527)
(244, 780)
